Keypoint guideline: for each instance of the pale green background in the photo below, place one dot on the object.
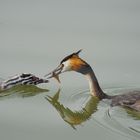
(36, 35)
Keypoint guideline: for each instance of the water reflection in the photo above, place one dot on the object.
(133, 113)
(74, 118)
(22, 91)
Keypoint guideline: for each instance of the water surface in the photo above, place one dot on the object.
(36, 35)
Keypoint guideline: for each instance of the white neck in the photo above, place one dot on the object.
(95, 89)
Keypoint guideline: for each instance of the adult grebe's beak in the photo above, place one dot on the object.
(55, 73)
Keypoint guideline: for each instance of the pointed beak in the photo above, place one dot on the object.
(55, 73)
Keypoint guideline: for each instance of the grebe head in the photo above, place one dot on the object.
(74, 63)
(70, 63)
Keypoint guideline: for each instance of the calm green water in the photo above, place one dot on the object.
(64, 114)
(36, 35)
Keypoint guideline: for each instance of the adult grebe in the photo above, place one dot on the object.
(21, 79)
(74, 63)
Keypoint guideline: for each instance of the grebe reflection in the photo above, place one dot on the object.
(74, 118)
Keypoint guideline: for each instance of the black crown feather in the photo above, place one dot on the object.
(69, 56)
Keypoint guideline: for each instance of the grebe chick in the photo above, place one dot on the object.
(74, 63)
(21, 79)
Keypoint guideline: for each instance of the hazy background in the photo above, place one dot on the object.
(36, 35)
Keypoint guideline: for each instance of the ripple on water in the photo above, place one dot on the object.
(81, 107)
(119, 120)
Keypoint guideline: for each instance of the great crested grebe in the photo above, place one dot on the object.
(74, 63)
(21, 79)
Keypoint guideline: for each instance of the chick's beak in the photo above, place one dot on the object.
(55, 73)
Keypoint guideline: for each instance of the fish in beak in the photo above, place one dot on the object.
(55, 73)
